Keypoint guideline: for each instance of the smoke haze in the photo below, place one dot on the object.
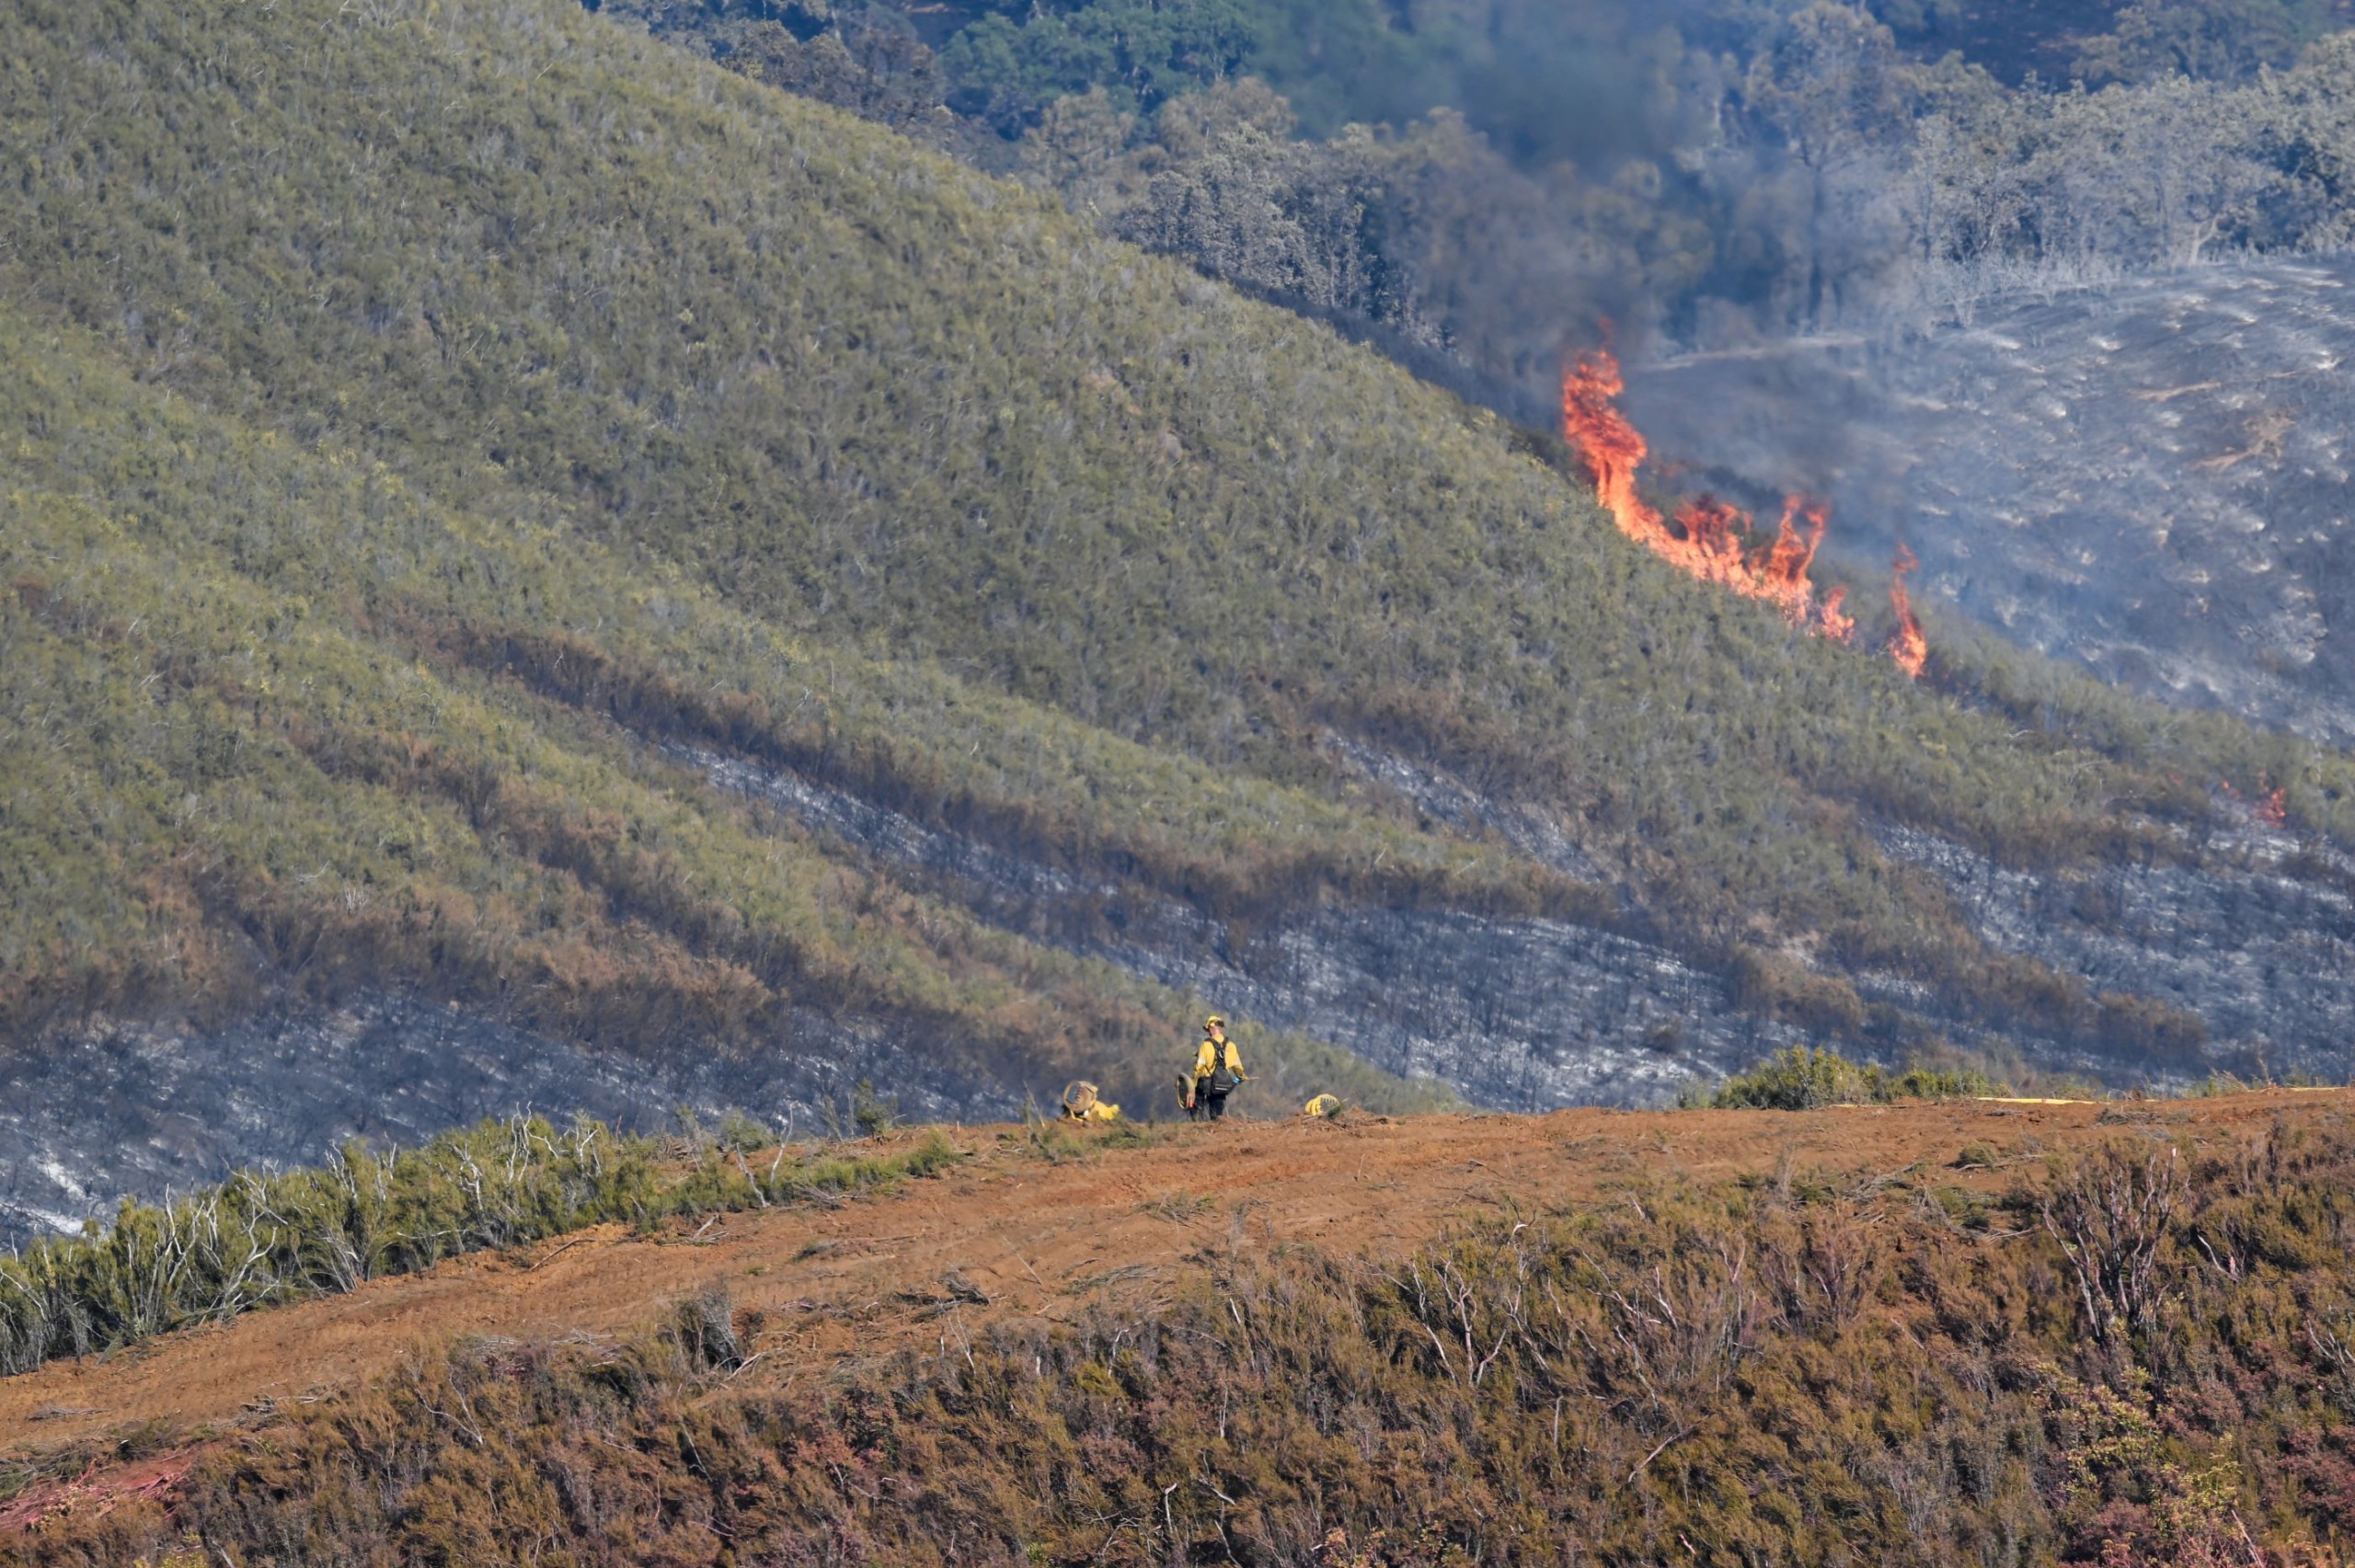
(1774, 210)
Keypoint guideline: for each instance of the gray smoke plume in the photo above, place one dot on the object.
(1827, 238)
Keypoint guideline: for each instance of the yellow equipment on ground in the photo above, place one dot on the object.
(1082, 1103)
(1323, 1105)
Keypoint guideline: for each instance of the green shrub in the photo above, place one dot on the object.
(741, 1134)
(262, 1239)
(1801, 1078)
(873, 1113)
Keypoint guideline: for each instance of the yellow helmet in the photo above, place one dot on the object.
(1214, 1022)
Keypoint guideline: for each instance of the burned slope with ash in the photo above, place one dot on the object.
(2151, 479)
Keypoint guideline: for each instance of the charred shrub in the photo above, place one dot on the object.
(704, 1328)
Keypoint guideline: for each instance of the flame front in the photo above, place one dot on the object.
(1710, 539)
(1909, 648)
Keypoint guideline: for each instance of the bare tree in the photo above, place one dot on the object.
(2111, 1217)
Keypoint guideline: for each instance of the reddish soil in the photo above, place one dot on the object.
(1044, 1238)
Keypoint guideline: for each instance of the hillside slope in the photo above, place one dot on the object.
(501, 514)
(245, 786)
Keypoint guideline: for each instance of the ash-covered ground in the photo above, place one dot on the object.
(2150, 478)
(120, 1109)
(1519, 1014)
(1516, 1014)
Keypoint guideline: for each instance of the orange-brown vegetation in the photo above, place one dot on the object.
(2101, 1332)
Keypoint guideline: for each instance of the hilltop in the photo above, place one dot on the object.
(1757, 1330)
(1053, 1224)
(542, 570)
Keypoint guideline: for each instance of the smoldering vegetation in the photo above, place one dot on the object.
(2045, 290)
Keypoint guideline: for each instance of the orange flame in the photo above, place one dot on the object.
(2271, 806)
(1710, 540)
(1909, 648)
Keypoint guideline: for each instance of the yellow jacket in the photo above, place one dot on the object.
(1206, 1059)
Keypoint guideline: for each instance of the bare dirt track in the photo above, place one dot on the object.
(1015, 1233)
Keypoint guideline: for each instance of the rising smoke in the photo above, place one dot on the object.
(1487, 179)
(1771, 200)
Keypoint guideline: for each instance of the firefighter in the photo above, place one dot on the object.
(1218, 1070)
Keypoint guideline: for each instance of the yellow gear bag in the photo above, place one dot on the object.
(1082, 1103)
